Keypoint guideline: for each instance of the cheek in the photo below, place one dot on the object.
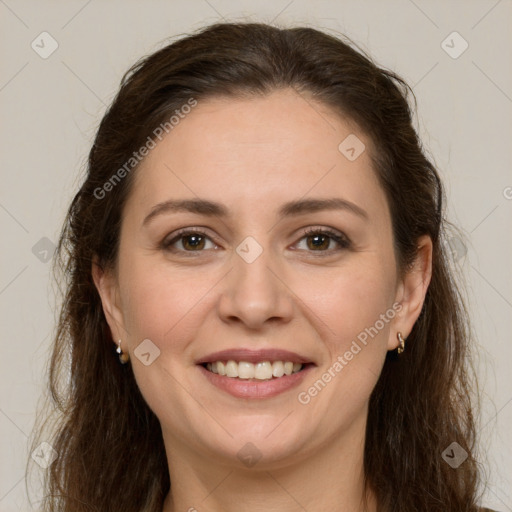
(165, 304)
(354, 314)
(160, 302)
(349, 300)
(165, 307)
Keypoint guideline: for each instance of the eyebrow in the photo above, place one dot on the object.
(290, 209)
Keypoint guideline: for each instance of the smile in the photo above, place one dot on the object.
(255, 380)
(263, 370)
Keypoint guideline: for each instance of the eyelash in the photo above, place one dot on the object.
(340, 239)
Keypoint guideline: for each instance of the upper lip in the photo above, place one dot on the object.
(254, 356)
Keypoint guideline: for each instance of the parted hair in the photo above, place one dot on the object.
(111, 455)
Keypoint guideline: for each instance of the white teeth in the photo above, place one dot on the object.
(278, 369)
(231, 369)
(221, 368)
(245, 370)
(263, 370)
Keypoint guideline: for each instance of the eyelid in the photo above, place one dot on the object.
(180, 233)
(339, 237)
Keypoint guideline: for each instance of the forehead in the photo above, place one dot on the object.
(262, 149)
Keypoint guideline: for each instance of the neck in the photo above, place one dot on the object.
(328, 478)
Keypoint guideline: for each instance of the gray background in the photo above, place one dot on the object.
(51, 107)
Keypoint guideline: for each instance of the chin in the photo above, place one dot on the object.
(269, 441)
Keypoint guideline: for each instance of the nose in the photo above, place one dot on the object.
(255, 294)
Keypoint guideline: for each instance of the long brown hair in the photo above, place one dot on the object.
(111, 455)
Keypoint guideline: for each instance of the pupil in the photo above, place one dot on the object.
(193, 244)
(316, 238)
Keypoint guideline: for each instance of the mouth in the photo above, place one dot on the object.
(260, 371)
(260, 374)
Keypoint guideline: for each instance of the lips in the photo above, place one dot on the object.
(254, 389)
(282, 378)
(254, 356)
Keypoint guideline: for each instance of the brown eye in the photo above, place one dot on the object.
(187, 241)
(321, 240)
(193, 241)
(318, 241)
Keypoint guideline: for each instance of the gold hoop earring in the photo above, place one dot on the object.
(123, 357)
(401, 347)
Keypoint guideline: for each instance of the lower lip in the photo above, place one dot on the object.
(245, 388)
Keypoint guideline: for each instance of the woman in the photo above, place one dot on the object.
(260, 238)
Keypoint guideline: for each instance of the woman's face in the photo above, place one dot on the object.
(251, 279)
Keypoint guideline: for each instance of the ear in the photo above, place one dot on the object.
(412, 290)
(108, 289)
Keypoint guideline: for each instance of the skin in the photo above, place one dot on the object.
(253, 155)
